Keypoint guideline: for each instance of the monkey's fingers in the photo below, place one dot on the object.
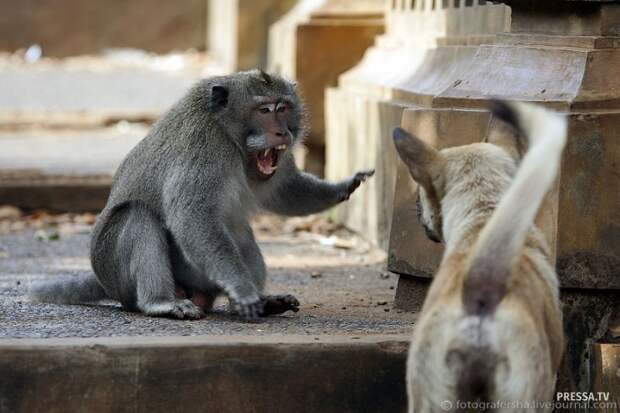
(278, 304)
(356, 181)
(363, 175)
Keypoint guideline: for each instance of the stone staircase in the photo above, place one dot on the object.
(66, 124)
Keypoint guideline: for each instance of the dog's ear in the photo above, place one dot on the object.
(503, 131)
(424, 161)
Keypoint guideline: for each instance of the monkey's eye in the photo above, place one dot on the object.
(264, 109)
(281, 107)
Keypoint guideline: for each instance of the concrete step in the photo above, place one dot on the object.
(67, 170)
(90, 92)
(344, 351)
(233, 374)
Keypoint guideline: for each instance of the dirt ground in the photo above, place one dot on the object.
(338, 277)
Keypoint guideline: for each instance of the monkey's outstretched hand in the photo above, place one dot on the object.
(354, 182)
(278, 304)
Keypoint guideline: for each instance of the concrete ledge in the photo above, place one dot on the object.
(81, 196)
(64, 170)
(214, 374)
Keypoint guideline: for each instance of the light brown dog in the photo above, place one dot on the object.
(491, 326)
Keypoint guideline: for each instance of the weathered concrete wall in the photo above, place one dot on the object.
(325, 49)
(283, 34)
(238, 31)
(364, 144)
(314, 44)
(424, 45)
(574, 74)
(581, 221)
(73, 27)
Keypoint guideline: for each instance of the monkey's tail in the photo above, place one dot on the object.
(81, 289)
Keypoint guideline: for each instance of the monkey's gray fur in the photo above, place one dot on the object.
(180, 202)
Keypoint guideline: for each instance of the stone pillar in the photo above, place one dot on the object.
(313, 44)
(424, 41)
(565, 55)
(238, 32)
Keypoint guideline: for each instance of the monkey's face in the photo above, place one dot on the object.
(262, 113)
(270, 134)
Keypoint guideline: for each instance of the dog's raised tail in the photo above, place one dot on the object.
(500, 242)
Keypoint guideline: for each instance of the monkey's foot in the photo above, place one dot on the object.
(278, 304)
(202, 300)
(178, 308)
(249, 308)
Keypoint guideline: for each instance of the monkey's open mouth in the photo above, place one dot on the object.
(267, 160)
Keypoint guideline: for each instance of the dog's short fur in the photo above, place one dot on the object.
(491, 326)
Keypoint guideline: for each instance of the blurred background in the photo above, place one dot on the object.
(81, 82)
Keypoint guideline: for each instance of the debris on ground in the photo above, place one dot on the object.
(315, 229)
(48, 225)
(42, 235)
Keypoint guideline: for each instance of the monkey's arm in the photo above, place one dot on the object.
(300, 193)
(208, 245)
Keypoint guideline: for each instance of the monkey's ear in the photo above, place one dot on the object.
(219, 97)
(424, 161)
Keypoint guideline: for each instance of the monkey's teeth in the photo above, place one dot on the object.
(281, 147)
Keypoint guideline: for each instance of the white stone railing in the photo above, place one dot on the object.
(425, 21)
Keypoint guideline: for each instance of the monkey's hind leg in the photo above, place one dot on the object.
(139, 249)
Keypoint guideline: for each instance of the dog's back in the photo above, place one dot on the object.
(491, 328)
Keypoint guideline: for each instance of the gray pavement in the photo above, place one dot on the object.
(342, 291)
